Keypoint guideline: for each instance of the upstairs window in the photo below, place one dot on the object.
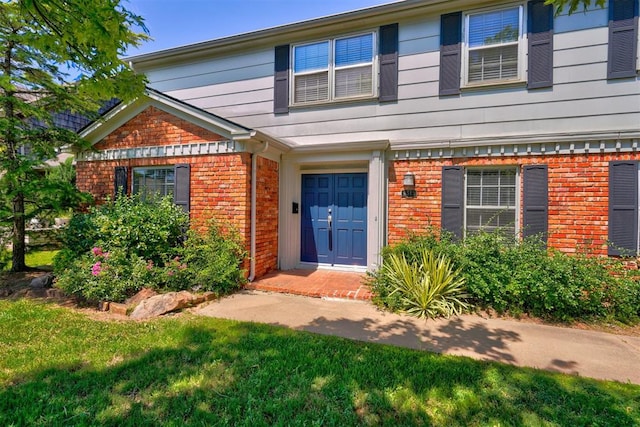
(493, 51)
(335, 69)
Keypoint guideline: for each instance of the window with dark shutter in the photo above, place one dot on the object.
(389, 63)
(540, 37)
(535, 201)
(281, 80)
(623, 38)
(623, 207)
(450, 53)
(120, 180)
(181, 191)
(453, 199)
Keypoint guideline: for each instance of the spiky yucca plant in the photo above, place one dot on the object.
(428, 288)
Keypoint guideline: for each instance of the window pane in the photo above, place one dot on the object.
(473, 196)
(354, 82)
(312, 87)
(311, 57)
(507, 177)
(507, 196)
(474, 177)
(354, 50)
(501, 26)
(490, 177)
(490, 219)
(153, 182)
(493, 64)
(491, 199)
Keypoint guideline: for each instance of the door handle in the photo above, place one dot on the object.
(329, 219)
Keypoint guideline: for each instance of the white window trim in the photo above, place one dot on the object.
(133, 175)
(332, 70)
(522, 47)
(518, 195)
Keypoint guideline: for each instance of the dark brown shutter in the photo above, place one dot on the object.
(389, 63)
(623, 207)
(453, 200)
(120, 182)
(450, 53)
(540, 35)
(623, 38)
(281, 80)
(535, 201)
(182, 187)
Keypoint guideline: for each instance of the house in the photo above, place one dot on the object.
(325, 140)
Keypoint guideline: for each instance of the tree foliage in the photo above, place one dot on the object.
(56, 56)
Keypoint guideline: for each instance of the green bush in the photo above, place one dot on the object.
(211, 261)
(106, 276)
(522, 276)
(424, 287)
(5, 254)
(116, 249)
(148, 229)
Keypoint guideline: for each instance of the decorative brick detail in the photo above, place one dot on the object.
(578, 196)
(220, 183)
(156, 127)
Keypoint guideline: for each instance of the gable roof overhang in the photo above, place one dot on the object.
(122, 113)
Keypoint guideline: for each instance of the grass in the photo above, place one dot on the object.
(40, 258)
(58, 367)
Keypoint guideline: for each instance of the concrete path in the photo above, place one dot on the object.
(585, 353)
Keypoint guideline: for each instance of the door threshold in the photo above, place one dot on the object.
(330, 267)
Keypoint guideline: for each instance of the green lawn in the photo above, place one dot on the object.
(58, 367)
(40, 258)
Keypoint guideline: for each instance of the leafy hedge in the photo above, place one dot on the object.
(118, 248)
(522, 276)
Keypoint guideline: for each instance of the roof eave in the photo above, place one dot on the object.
(280, 33)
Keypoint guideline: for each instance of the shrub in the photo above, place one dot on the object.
(148, 229)
(116, 249)
(212, 260)
(106, 276)
(427, 286)
(522, 276)
(5, 254)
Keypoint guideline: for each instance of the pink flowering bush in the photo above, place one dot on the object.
(123, 246)
(107, 276)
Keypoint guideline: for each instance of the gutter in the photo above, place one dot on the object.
(254, 187)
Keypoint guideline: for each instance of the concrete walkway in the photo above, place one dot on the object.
(585, 353)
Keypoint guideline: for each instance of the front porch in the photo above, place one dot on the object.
(315, 283)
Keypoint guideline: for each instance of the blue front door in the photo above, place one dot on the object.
(334, 218)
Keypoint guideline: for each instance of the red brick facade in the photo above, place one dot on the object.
(578, 196)
(220, 184)
(267, 216)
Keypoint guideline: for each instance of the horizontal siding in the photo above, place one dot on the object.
(593, 18)
(240, 88)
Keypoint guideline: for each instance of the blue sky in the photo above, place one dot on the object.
(174, 23)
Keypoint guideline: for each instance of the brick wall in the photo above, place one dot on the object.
(267, 216)
(220, 184)
(578, 196)
(156, 127)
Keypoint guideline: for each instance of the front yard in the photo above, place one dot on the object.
(59, 367)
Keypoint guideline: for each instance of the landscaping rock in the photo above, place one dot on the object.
(162, 304)
(118, 308)
(209, 296)
(103, 306)
(44, 281)
(144, 294)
